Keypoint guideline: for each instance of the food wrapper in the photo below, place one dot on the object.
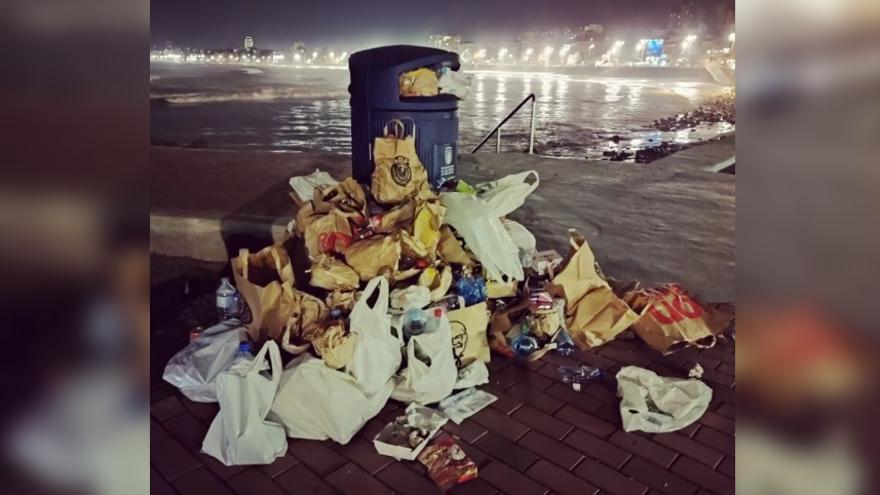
(398, 218)
(331, 223)
(341, 299)
(334, 345)
(447, 463)
(378, 255)
(426, 225)
(330, 273)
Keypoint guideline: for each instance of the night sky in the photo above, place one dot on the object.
(345, 23)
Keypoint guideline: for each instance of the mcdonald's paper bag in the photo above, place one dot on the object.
(265, 280)
(398, 173)
(330, 273)
(593, 313)
(670, 319)
(378, 255)
(469, 339)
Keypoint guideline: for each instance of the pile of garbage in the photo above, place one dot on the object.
(433, 81)
(397, 291)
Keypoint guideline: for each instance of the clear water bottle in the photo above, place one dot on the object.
(414, 322)
(577, 376)
(244, 353)
(524, 344)
(226, 303)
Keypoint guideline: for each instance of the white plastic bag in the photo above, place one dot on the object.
(428, 382)
(472, 375)
(507, 193)
(484, 235)
(414, 296)
(194, 369)
(240, 433)
(455, 83)
(655, 404)
(377, 355)
(316, 402)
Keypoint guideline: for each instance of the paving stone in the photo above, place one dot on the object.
(567, 395)
(644, 448)
(171, 459)
(254, 482)
(591, 358)
(280, 465)
(559, 480)
(508, 452)
(609, 480)
(690, 430)
(718, 422)
(718, 377)
(551, 449)
(505, 403)
(166, 408)
(703, 476)
(542, 422)
(479, 457)
(300, 480)
(499, 380)
(496, 422)
(468, 430)
(623, 357)
(585, 421)
(157, 433)
(728, 467)
(316, 455)
(199, 482)
(509, 481)
(727, 410)
(219, 469)
(202, 410)
(188, 430)
(690, 448)
(717, 440)
(597, 448)
(727, 368)
(473, 487)
(352, 480)
(534, 398)
(158, 484)
(525, 376)
(364, 455)
(658, 478)
(405, 481)
(370, 430)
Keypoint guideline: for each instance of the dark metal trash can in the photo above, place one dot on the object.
(375, 100)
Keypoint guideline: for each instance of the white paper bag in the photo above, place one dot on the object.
(316, 402)
(240, 433)
(655, 404)
(194, 369)
(507, 193)
(426, 383)
(377, 355)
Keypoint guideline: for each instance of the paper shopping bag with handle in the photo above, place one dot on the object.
(670, 319)
(593, 313)
(265, 280)
(398, 173)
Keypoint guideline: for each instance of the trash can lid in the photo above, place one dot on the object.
(384, 57)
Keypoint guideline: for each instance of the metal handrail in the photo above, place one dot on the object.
(497, 129)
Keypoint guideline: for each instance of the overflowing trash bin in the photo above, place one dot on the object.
(401, 84)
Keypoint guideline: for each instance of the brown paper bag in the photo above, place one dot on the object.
(397, 218)
(426, 224)
(398, 173)
(341, 299)
(375, 256)
(419, 82)
(348, 196)
(594, 314)
(469, 339)
(335, 346)
(451, 250)
(329, 273)
(265, 280)
(330, 223)
(670, 319)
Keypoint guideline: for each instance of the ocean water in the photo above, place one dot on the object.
(289, 109)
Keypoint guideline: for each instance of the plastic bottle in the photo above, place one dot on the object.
(578, 375)
(226, 300)
(524, 344)
(564, 342)
(244, 353)
(414, 322)
(434, 319)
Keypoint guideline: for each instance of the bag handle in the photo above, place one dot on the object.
(271, 348)
(244, 255)
(533, 185)
(382, 300)
(399, 128)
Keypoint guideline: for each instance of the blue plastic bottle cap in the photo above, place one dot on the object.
(244, 347)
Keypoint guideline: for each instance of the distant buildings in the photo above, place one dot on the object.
(248, 43)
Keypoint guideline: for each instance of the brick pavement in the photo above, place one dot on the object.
(540, 437)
